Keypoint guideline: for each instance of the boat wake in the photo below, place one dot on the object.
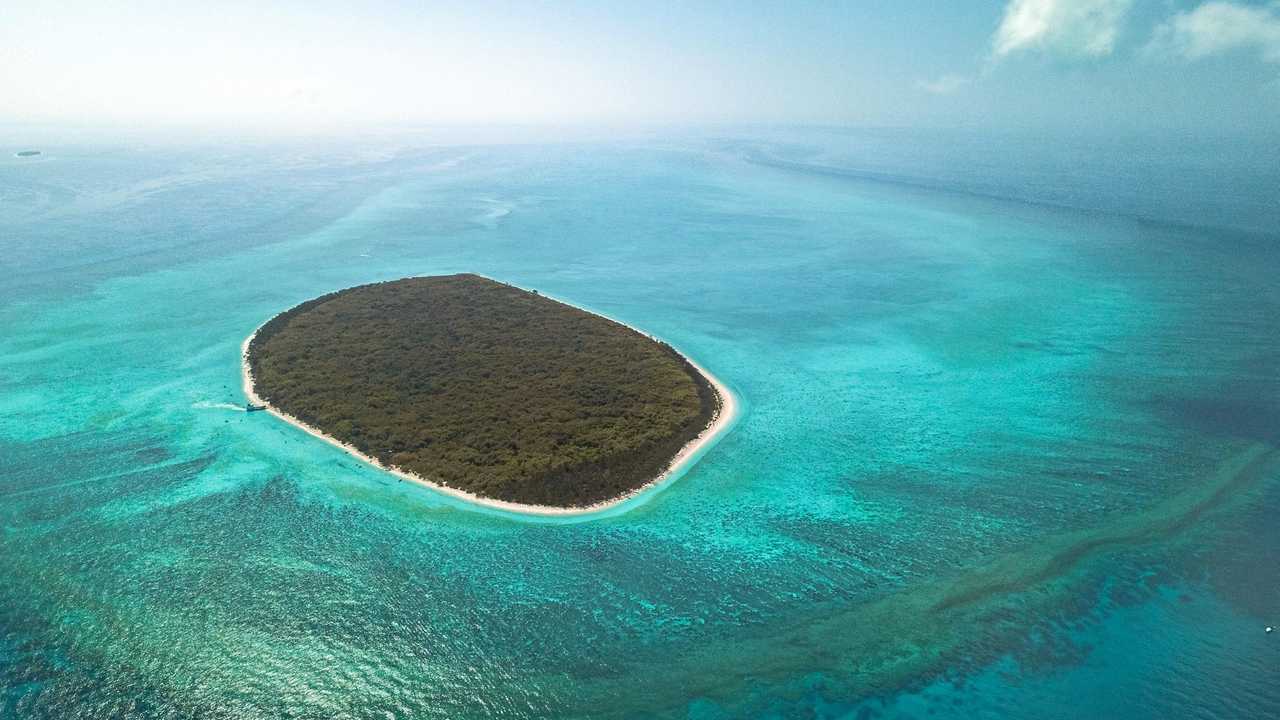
(494, 211)
(211, 405)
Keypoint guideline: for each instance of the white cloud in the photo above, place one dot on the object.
(1218, 27)
(944, 85)
(1072, 28)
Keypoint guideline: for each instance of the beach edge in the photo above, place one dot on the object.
(681, 461)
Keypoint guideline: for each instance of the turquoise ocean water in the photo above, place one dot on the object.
(1008, 445)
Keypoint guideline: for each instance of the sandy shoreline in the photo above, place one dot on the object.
(723, 419)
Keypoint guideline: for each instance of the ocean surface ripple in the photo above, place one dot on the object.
(1010, 445)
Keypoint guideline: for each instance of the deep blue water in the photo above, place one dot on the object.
(1009, 442)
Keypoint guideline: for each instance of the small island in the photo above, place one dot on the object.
(27, 153)
(487, 391)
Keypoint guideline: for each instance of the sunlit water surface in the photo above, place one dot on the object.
(1008, 446)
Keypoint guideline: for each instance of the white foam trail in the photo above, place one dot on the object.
(211, 405)
(498, 209)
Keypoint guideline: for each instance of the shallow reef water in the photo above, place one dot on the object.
(1008, 448)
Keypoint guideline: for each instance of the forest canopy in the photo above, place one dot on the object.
(484, 387)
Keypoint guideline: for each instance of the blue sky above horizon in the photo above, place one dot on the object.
(1138, 65)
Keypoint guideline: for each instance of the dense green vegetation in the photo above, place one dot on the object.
(484, 387)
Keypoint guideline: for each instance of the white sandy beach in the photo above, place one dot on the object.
(721, 422)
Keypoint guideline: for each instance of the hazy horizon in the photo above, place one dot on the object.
(1138, 66)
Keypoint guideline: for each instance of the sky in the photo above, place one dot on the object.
(1130, 65)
